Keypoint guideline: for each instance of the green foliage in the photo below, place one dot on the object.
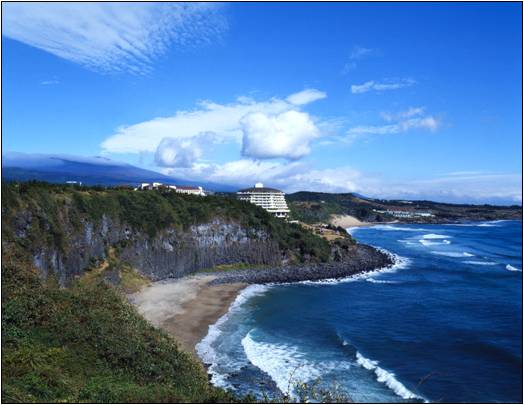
(148, 211)
(87, 344)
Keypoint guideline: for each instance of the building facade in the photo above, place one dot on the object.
(271, 199)
(193, 190)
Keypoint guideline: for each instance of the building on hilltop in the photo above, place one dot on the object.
(178, 189)
(191, 190)
(271, 199)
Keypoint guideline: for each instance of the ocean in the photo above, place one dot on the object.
(443, 325)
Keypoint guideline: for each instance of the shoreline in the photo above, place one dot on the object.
(186, 307)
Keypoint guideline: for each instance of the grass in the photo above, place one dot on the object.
(87, 344)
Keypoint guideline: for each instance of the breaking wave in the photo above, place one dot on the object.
(205, 349)
(480, 263)
(511, 268)
(386, 377)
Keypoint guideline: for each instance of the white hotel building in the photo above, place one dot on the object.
(272, 200)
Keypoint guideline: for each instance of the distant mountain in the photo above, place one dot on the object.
(88, 170)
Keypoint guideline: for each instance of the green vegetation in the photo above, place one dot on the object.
(147, 211)
(312, 207)
(87, 344)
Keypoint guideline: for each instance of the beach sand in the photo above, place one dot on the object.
(347, 221)
(185, 307)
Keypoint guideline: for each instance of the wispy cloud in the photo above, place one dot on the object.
(385, 85)
(357, 53)
(111, 37)
(403, 121)
(49, 82)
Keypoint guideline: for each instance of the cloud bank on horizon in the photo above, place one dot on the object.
(284, 140)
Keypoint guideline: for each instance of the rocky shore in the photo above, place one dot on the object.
(359, 259)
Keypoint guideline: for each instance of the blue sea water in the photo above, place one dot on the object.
(443, 325)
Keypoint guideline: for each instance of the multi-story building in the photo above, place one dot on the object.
(271, 199)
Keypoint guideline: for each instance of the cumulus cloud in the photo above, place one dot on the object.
(306, 96)
(180, 152)
(111, 37)
(227, 124)
(404, 121)
(286, 135)
(381, 86)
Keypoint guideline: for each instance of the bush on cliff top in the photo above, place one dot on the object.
(147, 211)
(87, 344)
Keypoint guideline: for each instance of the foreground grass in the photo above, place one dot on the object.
(88, 344)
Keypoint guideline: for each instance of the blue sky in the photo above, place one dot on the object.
(402, 100)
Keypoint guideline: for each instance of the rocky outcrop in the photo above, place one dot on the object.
(170, 253)
(359, 259)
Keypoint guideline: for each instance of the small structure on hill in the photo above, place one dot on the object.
(271, 199)
(193, 190)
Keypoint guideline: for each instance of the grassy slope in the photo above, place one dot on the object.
(86, 343)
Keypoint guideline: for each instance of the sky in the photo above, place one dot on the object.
(398, 100)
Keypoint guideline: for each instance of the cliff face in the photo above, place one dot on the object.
(171, 253)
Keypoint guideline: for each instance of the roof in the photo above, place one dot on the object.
(260, 190)
(187, 188)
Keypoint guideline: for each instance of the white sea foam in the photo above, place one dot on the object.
(286, 364)
(480, 263)
(399, 262)
(205, 348)
(511, 268)
(435, 236)
(386, 377)
(453, 254)
(432, 242)
(372, 280)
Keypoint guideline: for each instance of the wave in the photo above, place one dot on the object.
(372, 280)
(453, 254)
(386, 377)
(286, 364)
(435, 236)
(399, 262)
(426, 242)
(205, 349)
(511, 268)
(480, 263)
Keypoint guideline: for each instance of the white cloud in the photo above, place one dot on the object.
(360, 52)
(286, 135)
(224, 120)
(357, 53)
(298, 175)
(381, 86)
(177, 152)
(111, 37)
(306, 96)
(413, 118)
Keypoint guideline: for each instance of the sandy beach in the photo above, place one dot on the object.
(185, 307)
(347, 221)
